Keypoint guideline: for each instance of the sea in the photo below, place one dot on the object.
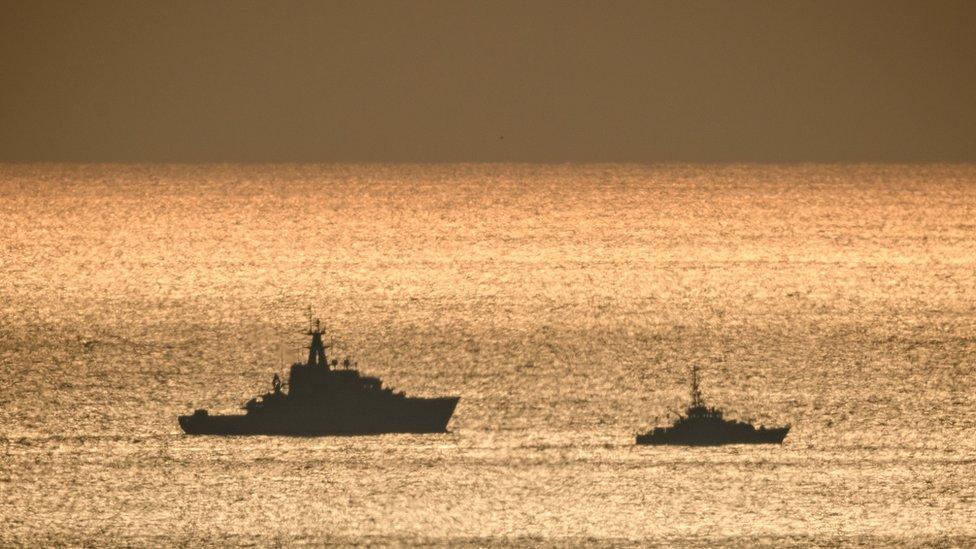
(565, 304)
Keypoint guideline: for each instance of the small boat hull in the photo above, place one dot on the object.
(717, 437)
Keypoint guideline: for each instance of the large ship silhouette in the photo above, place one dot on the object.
(703, 425)
(324, 399)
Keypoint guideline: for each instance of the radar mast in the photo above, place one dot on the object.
(696, 397)
(316, 351)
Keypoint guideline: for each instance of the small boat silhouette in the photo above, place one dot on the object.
(705, 426)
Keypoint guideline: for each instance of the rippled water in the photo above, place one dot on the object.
(563, 303)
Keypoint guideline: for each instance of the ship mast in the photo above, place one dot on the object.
(316, 351)
(696, 397)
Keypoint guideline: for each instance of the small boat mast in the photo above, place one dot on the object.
(696, 397)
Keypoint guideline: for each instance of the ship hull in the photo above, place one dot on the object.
(408, 415)
(713, 438)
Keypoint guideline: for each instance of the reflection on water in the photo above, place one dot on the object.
(564, 303)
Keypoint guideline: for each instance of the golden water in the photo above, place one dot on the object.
(564, 304)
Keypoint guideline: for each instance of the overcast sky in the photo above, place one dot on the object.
(775, 81)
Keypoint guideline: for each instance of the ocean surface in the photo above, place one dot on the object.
(565, 305)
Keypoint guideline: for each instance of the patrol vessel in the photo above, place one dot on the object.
(702, 425)
(323, 398)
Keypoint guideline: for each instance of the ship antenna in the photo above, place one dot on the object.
(316, 350)
(696, 397)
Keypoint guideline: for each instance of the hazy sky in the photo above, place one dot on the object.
(488, 81)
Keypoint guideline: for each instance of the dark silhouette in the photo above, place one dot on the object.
(704, 426)
(322, 400)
